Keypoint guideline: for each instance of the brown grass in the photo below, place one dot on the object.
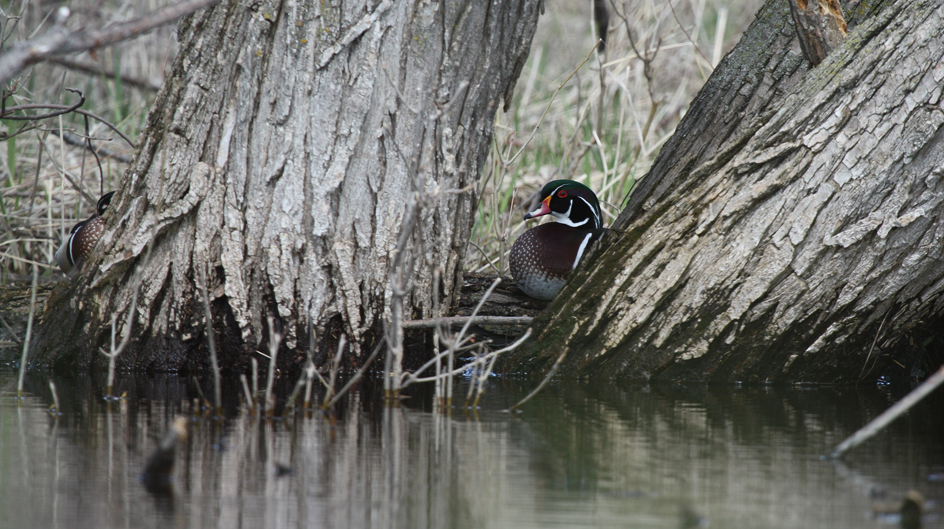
(609, 120)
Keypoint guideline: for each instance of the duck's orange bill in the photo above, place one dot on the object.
(543, 209)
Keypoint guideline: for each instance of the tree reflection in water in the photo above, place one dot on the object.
(579, 455)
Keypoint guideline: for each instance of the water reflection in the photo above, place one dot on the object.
(580, 455)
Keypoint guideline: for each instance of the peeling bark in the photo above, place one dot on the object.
(787, 240)
(280, 156)
(820, 27)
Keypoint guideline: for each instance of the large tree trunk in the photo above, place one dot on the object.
(281, 160)
(791, 228)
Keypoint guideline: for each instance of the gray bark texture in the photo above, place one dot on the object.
(280, 161)
(792, 228)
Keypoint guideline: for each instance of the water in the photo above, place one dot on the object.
(579, 455)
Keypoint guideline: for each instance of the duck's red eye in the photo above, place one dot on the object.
(562, 193)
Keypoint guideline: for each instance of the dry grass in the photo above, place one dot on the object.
(603, 127)
(608, 122)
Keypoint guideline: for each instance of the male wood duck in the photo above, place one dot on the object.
(543, 257)
(78, 245)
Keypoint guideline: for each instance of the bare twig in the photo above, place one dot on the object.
(10, 330)
(255, 378)
(546, 109)
(303, 380)
(333, 369)
(79, 141)
(248, 394)
(275, 338)
(488, 261)
(687, 35)
(550, 374)
(29, 332)
(101, 72)
(211, 341)
(59, 40)
(449, 353)
(310, 367)
(59, 109)
(55, 398)
(878, 333)
(65, 108)
(466, 320)
(350, 383)
(459, 370)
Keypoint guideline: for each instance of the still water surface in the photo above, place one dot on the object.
(579, 455)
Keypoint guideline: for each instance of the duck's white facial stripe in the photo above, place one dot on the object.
(583, 246)
(567, 221)
(564, 218)
(593, 210)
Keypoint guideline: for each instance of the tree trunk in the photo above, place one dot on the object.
(789, 231)
(291, 143)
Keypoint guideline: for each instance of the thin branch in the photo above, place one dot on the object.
(484, 359)
(211, 341)
(29, 331)
(360, 372)
(550, 374)
(335, 364)
(78, 141)
(467, 320)
(6, 115)
(92, 69)
(10, 330)
(549, 103)
(275, 338)
(59, 109)
(685, 31)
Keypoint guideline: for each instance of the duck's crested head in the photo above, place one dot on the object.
(572, 203)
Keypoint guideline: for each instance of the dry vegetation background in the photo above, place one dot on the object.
(602, 126)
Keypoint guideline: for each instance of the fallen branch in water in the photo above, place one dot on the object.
(471, 320)
(889, 415)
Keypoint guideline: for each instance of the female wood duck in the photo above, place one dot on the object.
(542, 257)
(82, 239)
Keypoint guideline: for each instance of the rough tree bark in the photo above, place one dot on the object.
(792, 227)
(279, 161)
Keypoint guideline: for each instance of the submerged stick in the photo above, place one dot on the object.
(274, 340)
(249, 400)
(328, 404)
(211, 340)
(550, 374)
(889, 415)
(55, 397)
(255, 378)
(333, 368)
(29, 331)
